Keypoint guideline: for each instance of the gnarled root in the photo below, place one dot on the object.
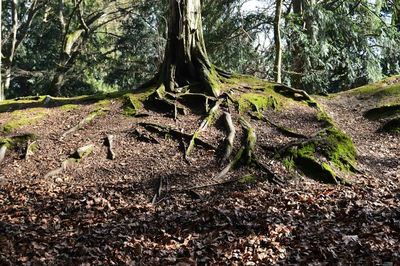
(109, 142)
(82, 123)
(76, 157)
(203, 126)
(230, 138)
(165, 101)
(178, 135)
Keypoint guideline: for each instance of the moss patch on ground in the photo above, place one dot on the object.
(257, 102)
(387, 89)
(21, 118)
(319, 156)
(131, 105)
(69, 107)
(381, 112)
(16, 141)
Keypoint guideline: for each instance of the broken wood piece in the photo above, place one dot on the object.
(109, 142)
(83, 152)
(30, 149)
(3, 150)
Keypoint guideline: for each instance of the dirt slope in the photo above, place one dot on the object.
(99, 211)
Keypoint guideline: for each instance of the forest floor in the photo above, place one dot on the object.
(115, 212)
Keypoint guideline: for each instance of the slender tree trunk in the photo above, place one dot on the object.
(396, 15)
(277, 40)
(297, 61)
(186, 60)
(13, 44)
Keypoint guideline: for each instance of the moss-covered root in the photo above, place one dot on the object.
(392, 126)
(161, 100)
(230, 137)
(19, 142)
(131, 105)
(382, 112)
(207, 121)
(76, 157)
(295, 94)
(31, 147)
(244, 155)
(97, 112)
(165, 131)
(320, 156)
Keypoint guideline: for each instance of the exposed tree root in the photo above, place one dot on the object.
(230, 138)
(330, 148)
(82, 123)
(3, 150)
(30, 149)
(166, 131)
(162, 100)
(193, 99)
(251, 139)
(143, 136)
(19, 142)
(158, 191)
(318, 156)
(76, 157)
(210, 118)
(245, 156)
(285, 131)
(109, 142)
(295, 94)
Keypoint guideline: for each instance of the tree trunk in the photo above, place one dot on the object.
(297, 61)
(186, 61)
(396, 15)
(277, 40)
(9, 60)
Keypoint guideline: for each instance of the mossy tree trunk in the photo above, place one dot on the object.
(186, 60)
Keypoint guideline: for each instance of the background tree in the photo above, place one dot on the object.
(326, 45)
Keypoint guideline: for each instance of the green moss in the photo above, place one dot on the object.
(214, 83)
(257, 102)
(338, 148)
(247, 179)
(17, 141)
(69, 107)
(21, 118)
(382, 91)
(132, 105)
(315, 157)
(385, 111)
(247, 80)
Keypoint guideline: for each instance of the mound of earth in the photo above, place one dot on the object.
(142, 178)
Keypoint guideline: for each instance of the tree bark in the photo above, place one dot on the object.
(277, 40)
(186, 60)
(12, 46)
(297, 62)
